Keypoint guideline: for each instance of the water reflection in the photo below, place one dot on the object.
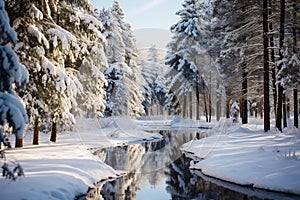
(158, 170)
(183, 184)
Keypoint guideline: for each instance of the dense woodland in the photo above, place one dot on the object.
(75, 61)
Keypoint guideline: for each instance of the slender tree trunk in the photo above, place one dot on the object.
(256, 110)
(272, 47)
(296, 122)
(227, 108)
(284, 110)
(279, 108)
(191, 105)
(244, 99)
(36, 132)
(261, 110)
(184, 106)
(266, 68)
(288, 108)
(53, 132)
(218, 106)
(151, 108)
(19, 142)
(209, 105)
(205, 103)
(241, 106)
(198, 102)
(209, 98)
(280, 87)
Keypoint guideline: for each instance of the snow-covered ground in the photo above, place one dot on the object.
(172, 123)
(67, 169)
(246, 155)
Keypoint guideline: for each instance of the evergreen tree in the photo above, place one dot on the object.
(183, 54)
(12, 111)
(64, 39)
(153, 71)
(124, 95)
(289, 72)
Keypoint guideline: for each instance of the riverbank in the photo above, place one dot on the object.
(67, 169)
(246, 155)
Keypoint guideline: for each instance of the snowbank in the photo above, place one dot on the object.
(54, 171)
(67, 169)
(245, 155)
(172, 123)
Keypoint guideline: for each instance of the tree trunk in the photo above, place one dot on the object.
(260, 107)
(284, 110)
(161, 109)
(198, 102)
(19, 142)
(205, 103)
(218, 106)
(288, 108)
(279, 108)
(280, 87)
(146, 111)
(266, 68)
(53, 132)
(227, 108)
(296, 123)
(244, 98)
(184, 106)
(241, 106)
(36, 132)
(209, 105)
(191, 105)
(272, 45)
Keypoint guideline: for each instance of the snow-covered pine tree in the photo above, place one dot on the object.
(90, 62)
(289, 71)
(115, 54)
(183, 54)
(63, 38)
(124, 94)
(12, 111)
(239, 60)
(41, 47)
(153, 71)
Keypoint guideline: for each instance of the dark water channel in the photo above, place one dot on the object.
(158, 170)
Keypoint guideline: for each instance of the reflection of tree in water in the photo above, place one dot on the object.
(182, 184)
(142, 162)
(127, 159)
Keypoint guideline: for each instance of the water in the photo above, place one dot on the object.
(158, 170)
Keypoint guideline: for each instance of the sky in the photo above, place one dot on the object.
(146, 13)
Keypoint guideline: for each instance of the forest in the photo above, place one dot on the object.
(64, 59)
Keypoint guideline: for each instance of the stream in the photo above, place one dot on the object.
(159, 170)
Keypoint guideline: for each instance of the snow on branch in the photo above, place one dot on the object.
(48, 66)
(33, 30)
(6, 31)
(63, 35)
(14, 112)
(35, 13)
(94, 24)
(63, 81)
(10, 64)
